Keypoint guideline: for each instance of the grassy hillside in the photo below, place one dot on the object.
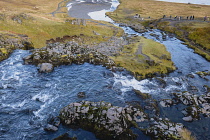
(143, 57)
(34, 19)
(196, 33)
(156, 9)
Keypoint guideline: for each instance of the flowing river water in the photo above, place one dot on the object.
(29, 98)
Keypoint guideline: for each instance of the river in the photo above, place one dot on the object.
(29, 98)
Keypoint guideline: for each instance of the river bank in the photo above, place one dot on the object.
(169, 17)
(148, 105)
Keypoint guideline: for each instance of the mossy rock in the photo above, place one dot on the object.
(105, 120)
(142, 95)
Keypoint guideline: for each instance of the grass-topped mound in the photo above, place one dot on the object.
(145, 58)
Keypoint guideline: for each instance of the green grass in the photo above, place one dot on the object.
(196, 35)
(155, 10)
(137, 63)
(39, 30)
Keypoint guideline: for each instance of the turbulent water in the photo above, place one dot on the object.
(29, 98)
(186, 61)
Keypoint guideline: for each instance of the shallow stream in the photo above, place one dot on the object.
(29, 98)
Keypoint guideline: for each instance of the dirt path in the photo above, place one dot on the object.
(59, 7)
(139, 52)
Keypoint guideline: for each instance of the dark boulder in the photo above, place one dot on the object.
(50, 127)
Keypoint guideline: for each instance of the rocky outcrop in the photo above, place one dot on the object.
(10, 42)
(105, 120)
(204, 74)
(65, 54)
(50, 127)
(19, 18)
(197, 105)
(165, 130)
(52, 124)
(77, 22)
(166, 102)
(136, 27)
(112, 47)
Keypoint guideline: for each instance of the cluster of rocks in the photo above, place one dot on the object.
(9, 42)
(57, 54)
(136, 27)
(52, 123)
(203, 74)
(77, 22)
(164, 129)
(81, 95)
(65, 39)
(19, 18)
(106, 120)
(112, 47)
(196, 104)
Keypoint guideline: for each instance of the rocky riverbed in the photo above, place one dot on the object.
(65, 54)
(104, 119)
(59, 53)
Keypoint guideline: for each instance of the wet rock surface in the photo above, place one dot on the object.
(50, 127)
(81, 94)
(196, 105)
(104, 119)
(165, 129)
(45, 67)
